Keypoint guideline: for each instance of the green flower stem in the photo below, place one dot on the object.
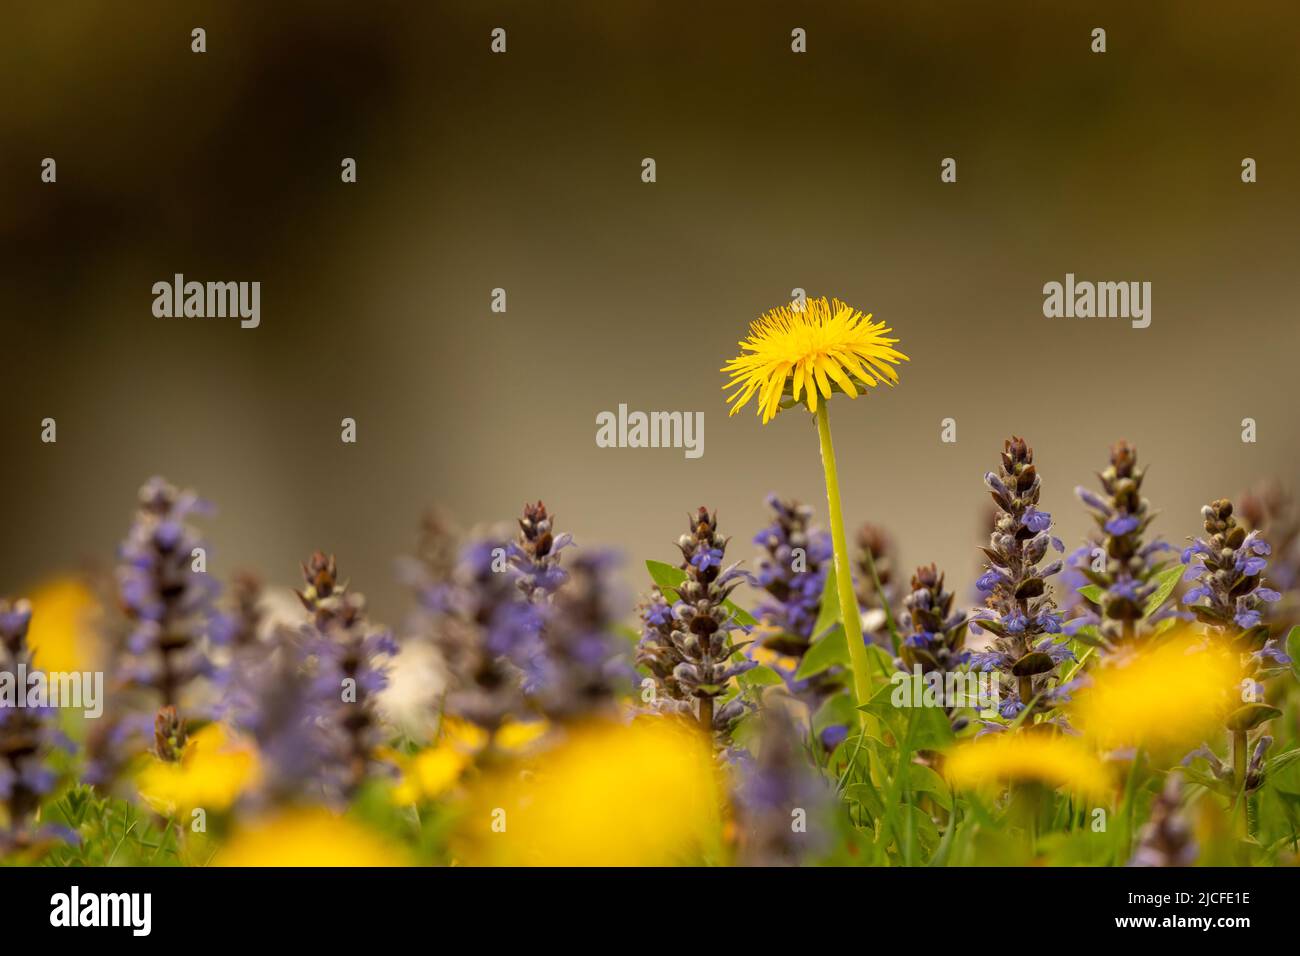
(849, 612)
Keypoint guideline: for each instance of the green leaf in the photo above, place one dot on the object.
(828, 612)
(1293, 648)
(866, 795)
(922, 778)
(760, 676)
(882, 703)
(740, 614)
(1092, 592)
(1168, 580)
(1283, 760)
(836, 709)
(665, 575)
(930, 729)
(927, 834)
(827, 651)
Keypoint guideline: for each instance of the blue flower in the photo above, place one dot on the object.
(987, 660)
(1247, 618)
(1015, 622)
(1093, 500)
(1271, 652)
(1057, 652)
(705, 558)
(1250, 566)
(1121, 524)
(1036, 520)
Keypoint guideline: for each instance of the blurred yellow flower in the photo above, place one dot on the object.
(63, 635)
(642, 794)
(429, 773)
(1165, 699)
(513, 736)
(307, 836)
(1059, 762)
(517, 736)
(433, 771)
(214, 769)
(817, 346)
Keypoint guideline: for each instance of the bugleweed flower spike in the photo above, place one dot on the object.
(167, 600)
(687, 647)
(1018, 610)
(795, 354)
(351, 667)
(27, 736)
(1128, 569)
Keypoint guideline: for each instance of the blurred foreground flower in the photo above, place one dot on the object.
(644, 794)
(1166, 838)
(432, 772)
(784, 809)
(585, 668)
(1165, 700)
(213, 769)
(351, 669)
(166, 592)
(486, 635)
(810, 347)
(1029, 757)
(937, 639)
(63, 635)
(878, 561)
(307, 836)
(27, 736)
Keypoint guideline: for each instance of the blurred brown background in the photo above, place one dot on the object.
(775, 170)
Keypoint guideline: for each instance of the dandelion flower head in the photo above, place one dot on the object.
(811, 350)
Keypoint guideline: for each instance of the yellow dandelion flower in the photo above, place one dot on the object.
(307, 836)
(214, 769)
(1057, 761)
(63, 635)
(642, 794)
(822, 347)
(817, 349)
(1166, 699)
